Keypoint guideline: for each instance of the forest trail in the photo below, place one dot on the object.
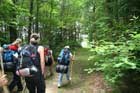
(81, 81)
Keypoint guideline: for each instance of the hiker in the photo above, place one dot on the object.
(3, 80)
(64, 59)
(16, 81)
(49, 60)
(36, 83)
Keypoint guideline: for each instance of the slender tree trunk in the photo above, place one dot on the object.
(30, 19)
(62, 15)
(13, 32)
(50, 24)
(12, 27)
(37, 15)
(51, 15)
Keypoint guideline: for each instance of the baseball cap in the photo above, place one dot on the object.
(67, 47)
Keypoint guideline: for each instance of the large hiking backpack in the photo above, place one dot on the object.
(48, 58)
(64, 57)
(8, 59)
(63, 62)
(8, 55)
(29, 60)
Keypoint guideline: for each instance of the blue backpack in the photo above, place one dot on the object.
(64, 57)
(8, 55)
(8, 60)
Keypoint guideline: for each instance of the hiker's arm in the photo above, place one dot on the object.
(42, 59)
(3, 80)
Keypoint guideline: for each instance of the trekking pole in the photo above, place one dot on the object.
(72, 66)
(5, 89)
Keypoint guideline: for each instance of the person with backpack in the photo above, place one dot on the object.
(64, 60)
(49, 59)
(35, 82)
(16, 80)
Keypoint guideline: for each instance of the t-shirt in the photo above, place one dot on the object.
(13, 47)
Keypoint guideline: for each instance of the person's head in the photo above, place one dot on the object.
(5, 46)
(18, 41)
(34, 38)
(66, 48)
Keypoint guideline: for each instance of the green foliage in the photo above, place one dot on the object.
(114, 58)
(4, 38)
(114, 27)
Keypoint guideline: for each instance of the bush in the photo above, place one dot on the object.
(114, 59)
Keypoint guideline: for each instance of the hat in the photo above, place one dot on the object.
(67, 47)
(5, 46)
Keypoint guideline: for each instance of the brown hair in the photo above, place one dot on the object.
(34, 38)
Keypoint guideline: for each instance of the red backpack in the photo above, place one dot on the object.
(13, 47)
(48, 59)
(46, 51)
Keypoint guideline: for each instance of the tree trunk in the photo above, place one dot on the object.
(30, 19)
(13, 33)
(12, 27)
(37, 14)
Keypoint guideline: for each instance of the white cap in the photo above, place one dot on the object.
(67, 47)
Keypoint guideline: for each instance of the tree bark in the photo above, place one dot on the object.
(30, 19)
(37, 15)
(12, 27)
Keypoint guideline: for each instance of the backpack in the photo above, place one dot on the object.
(29, 58)
(48, 58)
(64, 57)
(8, 55)
(8, 59)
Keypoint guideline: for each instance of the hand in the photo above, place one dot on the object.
(3, 80)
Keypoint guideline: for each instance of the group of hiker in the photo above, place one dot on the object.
(30, 62)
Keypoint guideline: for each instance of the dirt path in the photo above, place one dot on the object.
(81, 82)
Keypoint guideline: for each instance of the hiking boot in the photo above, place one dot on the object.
(70, 78)
(58, 85)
